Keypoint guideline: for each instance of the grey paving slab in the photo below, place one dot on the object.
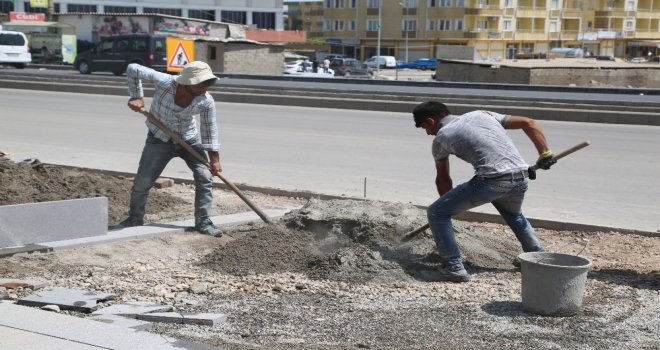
(67, 299)
(84, 331)
(11, 338)
(32, 283)
(57, 220)
(132, 308)
(29, 248)
(126, 322)
(202, 319)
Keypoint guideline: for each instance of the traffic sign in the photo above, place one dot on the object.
(179, 53)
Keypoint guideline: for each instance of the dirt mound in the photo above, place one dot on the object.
(354, 241)
(32, 182)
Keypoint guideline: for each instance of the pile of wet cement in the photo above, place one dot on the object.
(354, 241)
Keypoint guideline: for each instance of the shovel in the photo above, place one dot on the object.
(199, 157)
(414, 233)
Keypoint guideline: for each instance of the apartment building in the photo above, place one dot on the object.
(262, 14)
(410, 29)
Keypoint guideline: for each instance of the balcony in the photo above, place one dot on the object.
(372, 34)
(411, 34)
(479, 34)
(570, 34)
(372, 12)
(615, 12)
(531, 34)
(484, 11)
(409, 11)
(647, 13)
(532, 12)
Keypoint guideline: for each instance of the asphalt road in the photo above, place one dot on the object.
(611, 183)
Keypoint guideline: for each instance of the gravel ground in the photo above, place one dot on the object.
(334, 275)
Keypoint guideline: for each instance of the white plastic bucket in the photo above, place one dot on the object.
(553, 283)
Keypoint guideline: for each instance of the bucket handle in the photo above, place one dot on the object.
(558, 250)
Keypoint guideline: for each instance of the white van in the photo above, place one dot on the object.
(14, 50)
(384, 62)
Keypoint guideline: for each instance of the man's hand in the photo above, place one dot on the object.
(214, 162)
(546, 160)
(136, 104)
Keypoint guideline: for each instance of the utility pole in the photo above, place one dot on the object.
(380, 9)
(405, 26)
(50, 11)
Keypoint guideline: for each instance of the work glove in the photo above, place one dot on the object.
(546, 160)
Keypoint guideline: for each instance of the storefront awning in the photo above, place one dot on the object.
(644, 43)
(29, 26)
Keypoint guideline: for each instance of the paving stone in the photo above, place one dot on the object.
(66, 299)
(133, 308)
(202, 319)
(163, 182)
(81, 331)
(58, 220)
(125, 322)
(33, 284)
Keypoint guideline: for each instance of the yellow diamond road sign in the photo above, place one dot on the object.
(179, 53)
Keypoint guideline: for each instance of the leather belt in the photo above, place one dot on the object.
(518, 175)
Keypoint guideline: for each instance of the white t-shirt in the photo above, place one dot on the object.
(480, 139)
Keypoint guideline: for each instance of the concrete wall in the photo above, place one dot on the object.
(635, 77)
(481, 73)
(242, 57)
(455, 52)
(645, 77)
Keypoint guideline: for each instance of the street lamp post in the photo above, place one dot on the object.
(405, 27)
(380, 9)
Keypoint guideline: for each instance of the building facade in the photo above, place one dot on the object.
(496, 29)
(262, 14)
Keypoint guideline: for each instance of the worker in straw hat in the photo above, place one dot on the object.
(176, 102)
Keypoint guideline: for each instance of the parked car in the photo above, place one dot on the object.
(638, 60)
(296, 67)
(348, 67)
(604, 58)
(115, 53)
(422, 63)
(384, 62)
(14, 49)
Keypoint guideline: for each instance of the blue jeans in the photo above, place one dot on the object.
(507, 197)
(155, 156)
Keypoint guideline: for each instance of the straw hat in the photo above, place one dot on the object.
(194, 73)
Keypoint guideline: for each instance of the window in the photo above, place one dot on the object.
(264, 20)
(630, 5)
(105, 47)
(444, 25)
(410, 25)
(339, 4)
(410, 4)
(139, 45)
(430, 25)
(508, 3)
(432, 3)
(338, 25)
(459, 25)
(207, 15)
(507, 25)
(328, 4)
(352, 3)
(552, 27)
(372, 25)
(445, 3)
(554, 4)
(163, 11)
(7, 39)
(119, 9)
(482, 25)
(237, 17)
(80, 8)
(373, 4)
(630, 24)
(460, 3)
(351, 25)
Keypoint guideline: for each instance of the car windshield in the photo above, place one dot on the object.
(8, 39)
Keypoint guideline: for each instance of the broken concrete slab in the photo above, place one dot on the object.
(163, 182)
(58, 220)
(3, 294)
(131, 309)
(202, 319)
(125, 322)
(25, 283)
(66, 299)
(24, 249)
